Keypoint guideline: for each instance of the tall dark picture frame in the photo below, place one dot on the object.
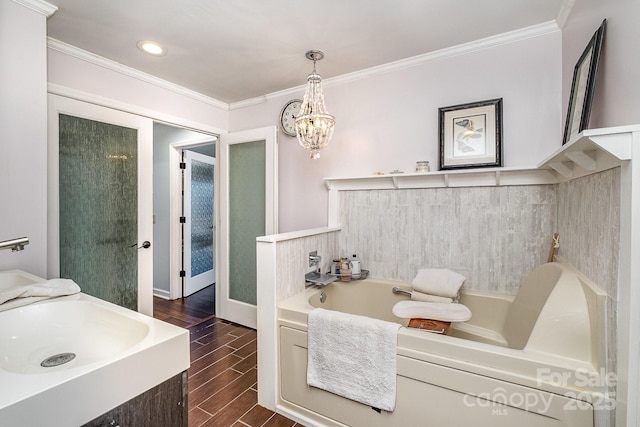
(471, 135)
(583, 85)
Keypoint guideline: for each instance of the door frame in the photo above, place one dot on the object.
(77, 108)
(175, 209)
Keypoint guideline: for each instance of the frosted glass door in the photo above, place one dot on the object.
(100, 202)
(98, 209)
(248, 203)
(199, 232)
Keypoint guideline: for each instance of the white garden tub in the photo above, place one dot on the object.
(534, 360)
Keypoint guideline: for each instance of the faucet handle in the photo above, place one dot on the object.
(314, 258)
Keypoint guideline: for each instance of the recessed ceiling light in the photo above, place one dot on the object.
(152, 48)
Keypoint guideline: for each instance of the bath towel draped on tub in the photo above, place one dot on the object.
(353, 357)
(17, 296)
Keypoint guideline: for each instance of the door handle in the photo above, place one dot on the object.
(145, 245)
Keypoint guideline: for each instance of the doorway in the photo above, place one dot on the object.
(170, 142)
(245, 206)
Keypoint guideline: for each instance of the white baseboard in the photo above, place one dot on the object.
(161, 293)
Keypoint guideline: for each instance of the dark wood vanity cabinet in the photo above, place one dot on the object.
(162, 405)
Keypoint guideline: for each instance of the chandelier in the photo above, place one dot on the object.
(314, 124)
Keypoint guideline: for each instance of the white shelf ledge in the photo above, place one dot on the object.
(441, 179)
(590, 152)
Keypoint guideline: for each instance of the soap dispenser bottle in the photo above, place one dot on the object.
(356, 269)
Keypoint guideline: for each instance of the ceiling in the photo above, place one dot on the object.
(234, 50)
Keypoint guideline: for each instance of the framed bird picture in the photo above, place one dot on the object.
(471, 135)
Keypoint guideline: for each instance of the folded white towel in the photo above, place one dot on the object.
(18, 296)
(420, 296)
(438, 281)
(432, 310)
(353, 356)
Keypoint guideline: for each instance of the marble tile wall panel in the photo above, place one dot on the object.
(589, 227)
(492, 235)
(292, 261)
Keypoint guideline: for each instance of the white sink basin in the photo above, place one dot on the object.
(82, 330)
(117, 355)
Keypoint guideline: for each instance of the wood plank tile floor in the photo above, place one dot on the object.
(223, 374)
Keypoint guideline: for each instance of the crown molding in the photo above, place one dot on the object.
(466, 48)
(563, 13)
(92, 58)
(40, 6)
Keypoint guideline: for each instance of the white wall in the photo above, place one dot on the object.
(73, 72)
(616, 99)
(389, 121)
(23, 136)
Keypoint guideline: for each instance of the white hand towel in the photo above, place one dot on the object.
(353, 357)
(420, 296)
(432, 310)
(26, 294)
(438, 281)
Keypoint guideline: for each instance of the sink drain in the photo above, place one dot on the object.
(57, 360)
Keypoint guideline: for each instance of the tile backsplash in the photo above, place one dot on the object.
(492, 235)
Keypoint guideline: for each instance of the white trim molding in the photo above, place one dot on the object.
(92, 58)
(565, 11)
(40, 6)
(67, 92)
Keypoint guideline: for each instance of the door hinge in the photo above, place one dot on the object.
(183, 165)
(183, 273)
(183, 220)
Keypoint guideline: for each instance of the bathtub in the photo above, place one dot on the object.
(536, 359)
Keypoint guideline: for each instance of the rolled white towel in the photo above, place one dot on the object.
(421, 296)
(47, 289)
(438, 281)
(431, 310)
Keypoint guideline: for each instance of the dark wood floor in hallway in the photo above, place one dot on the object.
(223, 373)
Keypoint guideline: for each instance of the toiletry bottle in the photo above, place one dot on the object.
(355, 267)
(335, 267)
(345, 270)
